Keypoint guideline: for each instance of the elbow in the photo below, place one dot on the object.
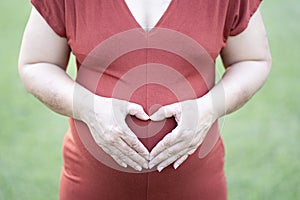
(263, 69)
(269, 62)
(267, 65)
(22, 67)
(22, 72)
(27, 75)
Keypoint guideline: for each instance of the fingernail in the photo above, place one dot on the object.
(145, 166)
(153, 118)
(159, 169)
(138, 168)
(176, 166)
(146, 117)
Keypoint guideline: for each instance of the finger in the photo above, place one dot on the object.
(119, 161)
(183, 158)
(138, 111)
(171, 160)
(192, 151)
(136, 160)
(115, 157)
(169, 140)
(168, 156)
(165, 112)
(132, 140)
(180, 161)
(123, 159)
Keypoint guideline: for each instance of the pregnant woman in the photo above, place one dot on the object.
(144, 107)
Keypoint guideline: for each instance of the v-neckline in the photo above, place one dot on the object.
(159, 22)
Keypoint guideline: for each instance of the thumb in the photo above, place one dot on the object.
(164, 112)
(138, 111)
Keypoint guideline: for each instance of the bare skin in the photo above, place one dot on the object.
(42, 71)
(147, 12)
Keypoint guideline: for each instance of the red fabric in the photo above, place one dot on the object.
(88, 24)
(54, 13)
(241, 11)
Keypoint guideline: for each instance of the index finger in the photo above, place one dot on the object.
(169, 140)
(132, 140)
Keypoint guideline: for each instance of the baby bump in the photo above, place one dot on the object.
(150, 85)
(151, 78)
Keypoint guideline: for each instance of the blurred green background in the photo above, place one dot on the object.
(262, 139)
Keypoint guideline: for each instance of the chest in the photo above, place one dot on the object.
(93, 22)
(147, 12)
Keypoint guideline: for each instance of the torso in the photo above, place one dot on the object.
(147, 12)
(150, 52)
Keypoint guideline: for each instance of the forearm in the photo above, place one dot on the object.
(52, 86)
(239, 83)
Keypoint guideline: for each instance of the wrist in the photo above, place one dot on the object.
(211, 106)
(83, 104)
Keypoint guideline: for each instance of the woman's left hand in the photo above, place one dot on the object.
(194, 118)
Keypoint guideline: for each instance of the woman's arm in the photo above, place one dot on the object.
(248, 63)
(42, 63)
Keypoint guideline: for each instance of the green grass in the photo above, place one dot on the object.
(30, 134)
(262, 139)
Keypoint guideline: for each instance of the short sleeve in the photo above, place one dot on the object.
(239, 14)
(53, 11)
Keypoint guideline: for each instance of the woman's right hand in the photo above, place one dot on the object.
(105, 118)
(42, 71)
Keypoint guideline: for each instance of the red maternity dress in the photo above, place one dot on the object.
(172, 62)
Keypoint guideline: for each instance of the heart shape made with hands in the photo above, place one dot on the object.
(151, 132)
